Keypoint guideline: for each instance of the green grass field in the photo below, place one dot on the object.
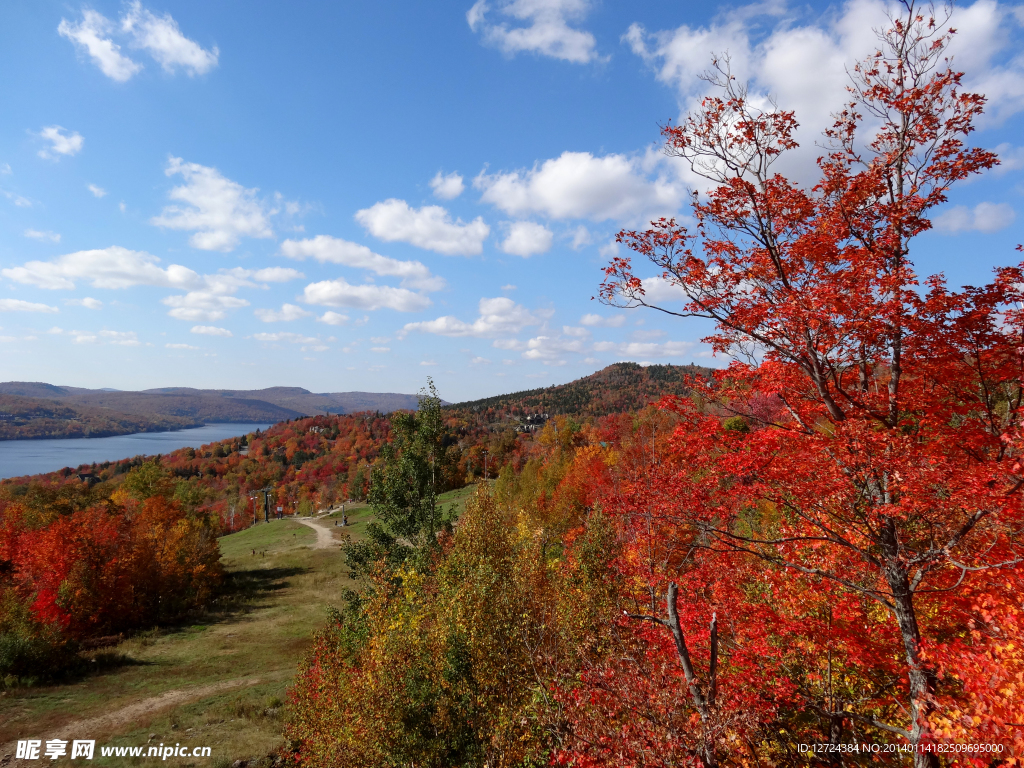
(457, 498)
(243, 652)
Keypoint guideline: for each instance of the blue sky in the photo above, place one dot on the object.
(354, 196)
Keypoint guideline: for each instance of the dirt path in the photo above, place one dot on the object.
(128, 715)
(324, 538)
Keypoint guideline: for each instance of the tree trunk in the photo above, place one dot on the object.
(921, 679)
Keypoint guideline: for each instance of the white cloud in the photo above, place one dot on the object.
(333, 318)
(84, 337)
(336, 251)
(552, 349)
(218, 210)
(61, 142)
(208, 297)
(984, 217)
(428, 362)
(804, 63)
(161, 37)
(17, 305)
(18, 200)
(508, 287)
(341, 293)
(380, 349)
(545, 28)
(202, 305)
(579, 333)
(658, 291)
(633, 350)
(1011, 158)
(525, 238)
(35, 234)
(597, 321)
(87, 302)
(180, 346)
(447, 187)
(5, 169)
(97, 191)
(91, 36)
(498, 317)
(122, 338)
(273, 274)
(649, 335)
(210, 330)
(581, 237)
(287, 313)
(292, 338)
(577, 185)
(429, 227)
(113, 267)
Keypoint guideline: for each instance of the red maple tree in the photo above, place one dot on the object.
(887, 479)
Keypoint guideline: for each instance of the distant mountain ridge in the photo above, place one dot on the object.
(32, 409)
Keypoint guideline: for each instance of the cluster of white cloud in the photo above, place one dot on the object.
(219, 211)
(35, 234)
(87, 302)
(61, 142)
(640, 350)
(207, 297)
(598, 321)
(113, 268)
(211, 330)
(118, 338)
(287, 313)
(326, 249)
(984, 217)
(447, 187)
(804, 65)
(333, 318)
(159, 36)
(499, 317)
(18, 200)
(122, 338)
(578, 185)
(430, 227)
(293, 338)
(19, 305)
(526, 238)
(340, 293)
(546, 28)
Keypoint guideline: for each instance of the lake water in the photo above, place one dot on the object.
(30, 457)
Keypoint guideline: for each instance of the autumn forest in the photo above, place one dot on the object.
(820, 544)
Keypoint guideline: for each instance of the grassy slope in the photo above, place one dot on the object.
(456, 498)
(259, 632)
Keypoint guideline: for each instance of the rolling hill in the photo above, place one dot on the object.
(621, 387)
(41, 410)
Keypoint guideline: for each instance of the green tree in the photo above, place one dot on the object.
(420, 462)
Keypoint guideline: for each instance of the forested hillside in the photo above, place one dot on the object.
(40, 410)
(617, 388)
(39, 417)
